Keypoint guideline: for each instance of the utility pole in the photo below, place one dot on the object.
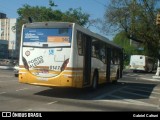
(158, 67)
(132, 20)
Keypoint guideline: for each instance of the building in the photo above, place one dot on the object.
(8, 33)
(4, 52)
(2, 15)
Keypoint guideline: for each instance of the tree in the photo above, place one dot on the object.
(76, 15)
(121, 40)
(40, 13)
(137, 19)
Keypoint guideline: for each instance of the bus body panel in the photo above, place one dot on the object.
(41, 63)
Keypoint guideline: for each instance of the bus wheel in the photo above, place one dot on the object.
(95, 81)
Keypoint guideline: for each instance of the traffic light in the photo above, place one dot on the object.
(158, 19)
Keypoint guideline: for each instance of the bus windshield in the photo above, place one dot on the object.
(47, 37)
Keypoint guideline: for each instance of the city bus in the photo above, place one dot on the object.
(65, 54)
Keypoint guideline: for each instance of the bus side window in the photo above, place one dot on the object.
(95, 48)
(102, 53)
(98, 50)
(93, 51)
(115, 57)
(80, 43)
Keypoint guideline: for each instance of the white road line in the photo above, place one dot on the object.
(3, 92)
(146, 96)
(140, 77)
(22, 89)
(138, 88)
(146, 88)
(106, 94)
(28, 110)
(128, 101)
(123, 99)
(150, 79)
(52, 102)
(137, 102)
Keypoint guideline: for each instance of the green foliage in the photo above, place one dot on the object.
(137, 19)
(124, 42)
(76, 15)
(41, 13)
(37, 13)
(121, 40)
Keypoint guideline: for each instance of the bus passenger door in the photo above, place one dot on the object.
(108, 71)
(87, 61)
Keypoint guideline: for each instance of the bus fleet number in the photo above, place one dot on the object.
(54, 67)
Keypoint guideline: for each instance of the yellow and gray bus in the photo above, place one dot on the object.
(65, 54)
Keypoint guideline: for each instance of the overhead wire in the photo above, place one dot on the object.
(100, 3)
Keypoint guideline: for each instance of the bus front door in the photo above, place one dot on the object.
(87, 61)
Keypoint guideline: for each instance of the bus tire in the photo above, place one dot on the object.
(16, 75)
(95, 80)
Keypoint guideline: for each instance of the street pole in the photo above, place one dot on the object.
(157, 75)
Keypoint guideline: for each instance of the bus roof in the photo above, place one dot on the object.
(95, 35)
(49, 24)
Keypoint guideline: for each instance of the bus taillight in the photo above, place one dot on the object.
(64, 64)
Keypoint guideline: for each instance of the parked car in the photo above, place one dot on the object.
(16, 70)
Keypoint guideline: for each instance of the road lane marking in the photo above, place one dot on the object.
(52, 102)
(22, 89)
(133, 101)
(139, 89)
(123, 99)
(142, 87)
(3, 92)
(28, 110)
(146, 96)
(128, 101)
(136, 102)
(140, 77)
(150, 79)
(106, 94)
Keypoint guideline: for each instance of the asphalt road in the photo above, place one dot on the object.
(134, 92)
